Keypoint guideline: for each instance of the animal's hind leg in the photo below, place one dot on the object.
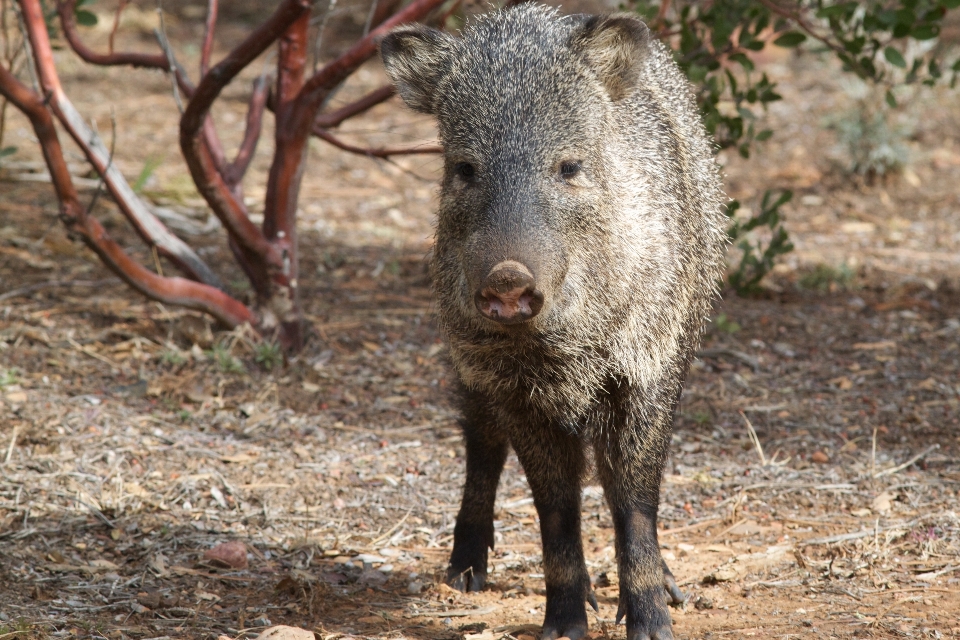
(473, 534)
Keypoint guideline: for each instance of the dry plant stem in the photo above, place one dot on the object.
(754, 439)
(193, 295)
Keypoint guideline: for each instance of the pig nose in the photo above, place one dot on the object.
(509, 294)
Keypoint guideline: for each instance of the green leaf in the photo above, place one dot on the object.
(764, 135)
(790, 39)
(894, 57)
(743, 60)
(951, 4)
(925, 32)
(891, 100)
(86, 18)
(7, 151)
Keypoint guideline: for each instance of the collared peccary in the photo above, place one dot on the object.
(579, 244)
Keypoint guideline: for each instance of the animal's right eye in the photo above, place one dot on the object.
(465, 170)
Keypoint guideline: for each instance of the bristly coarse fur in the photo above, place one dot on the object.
(644, 255)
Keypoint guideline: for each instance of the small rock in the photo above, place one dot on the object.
(149, 598)
(784, 349)
(703, 602)
(414, 587)
(262, 621)
(283, 632)
(228, 555)
(723, 574)
(369, 558)
(819, 457)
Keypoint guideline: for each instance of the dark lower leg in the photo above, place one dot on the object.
(554, 463)
(473, 533)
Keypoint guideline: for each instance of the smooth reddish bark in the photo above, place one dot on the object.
(268, 255)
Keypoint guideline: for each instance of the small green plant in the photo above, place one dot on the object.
(225, 361)
(9, 377)
(875, 148)
(757, 260)
(172, 357)
(184, 415)
(149, 166)
(725, 324)
(826, 278)
(268, 355)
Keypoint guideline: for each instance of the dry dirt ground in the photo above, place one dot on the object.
(135, 438)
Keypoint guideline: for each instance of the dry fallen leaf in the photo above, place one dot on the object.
(231, 555)
(819, 457)
(882, 503)
(843, 383)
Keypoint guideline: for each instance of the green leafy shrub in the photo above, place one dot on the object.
(885, 42)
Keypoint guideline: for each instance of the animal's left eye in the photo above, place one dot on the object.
(569, 170)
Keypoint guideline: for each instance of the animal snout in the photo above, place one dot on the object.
(509, 294)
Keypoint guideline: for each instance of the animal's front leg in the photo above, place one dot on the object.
(630, 463)
(554, 463)
(486, 447)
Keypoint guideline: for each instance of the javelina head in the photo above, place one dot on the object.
(526, 106)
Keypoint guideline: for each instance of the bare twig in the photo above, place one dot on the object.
(161, 34)
(901, 467)
(733, 354)
(206, 51)
(27, 290)
(381, 152)
(121, 5)
(233, 172)
(113, 147)
(372, 99)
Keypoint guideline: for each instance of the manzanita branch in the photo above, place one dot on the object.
(374, 152)
(206, 50)
(233, 173)
(179, 291)
(68, 22)
(121, 5)
(372, 99)
(153, 232)
(203, 166)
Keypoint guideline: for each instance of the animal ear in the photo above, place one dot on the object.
(416, 57)
(615, 47)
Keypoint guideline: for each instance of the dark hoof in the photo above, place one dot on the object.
(574, 632)
(674, 594)
(466, 580)
(647, 614)
(663, 633)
